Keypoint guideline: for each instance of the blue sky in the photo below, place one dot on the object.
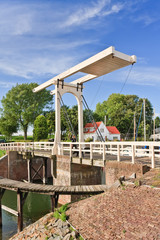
(40, 39)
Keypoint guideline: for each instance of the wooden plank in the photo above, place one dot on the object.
(10, 210)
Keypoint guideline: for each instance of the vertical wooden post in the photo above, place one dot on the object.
(71, 154)
(91, 153)
(80, 153)
(53, 202)
(1, 195)
(29, 164)
(45, 170)
(133, 154)
(153, 157)
(104, 152)
(20, 210)
(56, 200)
(118, 153)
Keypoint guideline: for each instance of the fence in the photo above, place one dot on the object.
(132, 149)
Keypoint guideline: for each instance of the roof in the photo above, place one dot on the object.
(112, 130)
(90, 125)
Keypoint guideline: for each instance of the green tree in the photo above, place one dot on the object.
(157, 122)
(24, 106)
(40, 128)
(50, 117)
(8, 126)
(119, 110)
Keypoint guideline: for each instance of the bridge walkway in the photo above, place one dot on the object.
(23, 189)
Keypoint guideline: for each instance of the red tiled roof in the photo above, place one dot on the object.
(112, 129)
(90, 125)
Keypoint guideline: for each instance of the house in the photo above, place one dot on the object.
(94, 130)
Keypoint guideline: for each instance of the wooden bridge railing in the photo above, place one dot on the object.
(132, 149)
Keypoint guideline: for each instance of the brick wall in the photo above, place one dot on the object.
(62, 175)
(17, 166)
(71, 174)
(4, 166)
(114, 170)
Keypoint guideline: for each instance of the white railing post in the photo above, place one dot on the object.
(133, 154)
(104, 152)
(91, 152)
(153, 157)
(71, 150)
(80, 150)
(118, 153)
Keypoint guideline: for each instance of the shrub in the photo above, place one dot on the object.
(40, 128)
(63, 217)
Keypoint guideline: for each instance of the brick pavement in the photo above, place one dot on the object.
(129, 212)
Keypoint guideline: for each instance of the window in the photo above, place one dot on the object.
(115, 138)
(102, 130)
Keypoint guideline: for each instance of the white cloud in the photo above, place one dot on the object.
(85, 13)
(15, 19)
(146, 19)
(6, 84)
(36, 66)
(114, 9)
(146, 76)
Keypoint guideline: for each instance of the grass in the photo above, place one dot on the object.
(60, 213)
(156, 180)
(2, 153)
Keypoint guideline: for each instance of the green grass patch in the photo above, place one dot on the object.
(63, 208)
(63, 217)
(56, 214)
(2, 153)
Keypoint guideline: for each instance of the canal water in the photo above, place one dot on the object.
(36, 206)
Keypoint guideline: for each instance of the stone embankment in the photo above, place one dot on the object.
(48, 228)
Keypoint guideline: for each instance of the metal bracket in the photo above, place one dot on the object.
(57, 83)
(81, 87)
(62, 83)
(77, 86)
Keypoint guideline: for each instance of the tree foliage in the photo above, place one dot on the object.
(119, 110)
(8, 126)
(50, 117)
(22, 105)
(40, 128)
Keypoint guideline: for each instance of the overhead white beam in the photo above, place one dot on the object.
(75, 69)
(84, 79)
(97, 65)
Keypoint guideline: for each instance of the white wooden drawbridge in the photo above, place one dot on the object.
(102, 63)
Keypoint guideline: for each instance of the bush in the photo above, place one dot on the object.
(63, 217)
(40, 128)
(89, 139)
(56, 214)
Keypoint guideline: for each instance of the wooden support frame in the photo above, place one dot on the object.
(29, 168)
(20, 202)
(2, 191)
(43, 166)
(54, 201)
(45, 179)
(37, 172)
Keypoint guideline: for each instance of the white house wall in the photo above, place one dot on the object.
(105, 133)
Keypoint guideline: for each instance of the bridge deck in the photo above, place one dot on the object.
(13, 185)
